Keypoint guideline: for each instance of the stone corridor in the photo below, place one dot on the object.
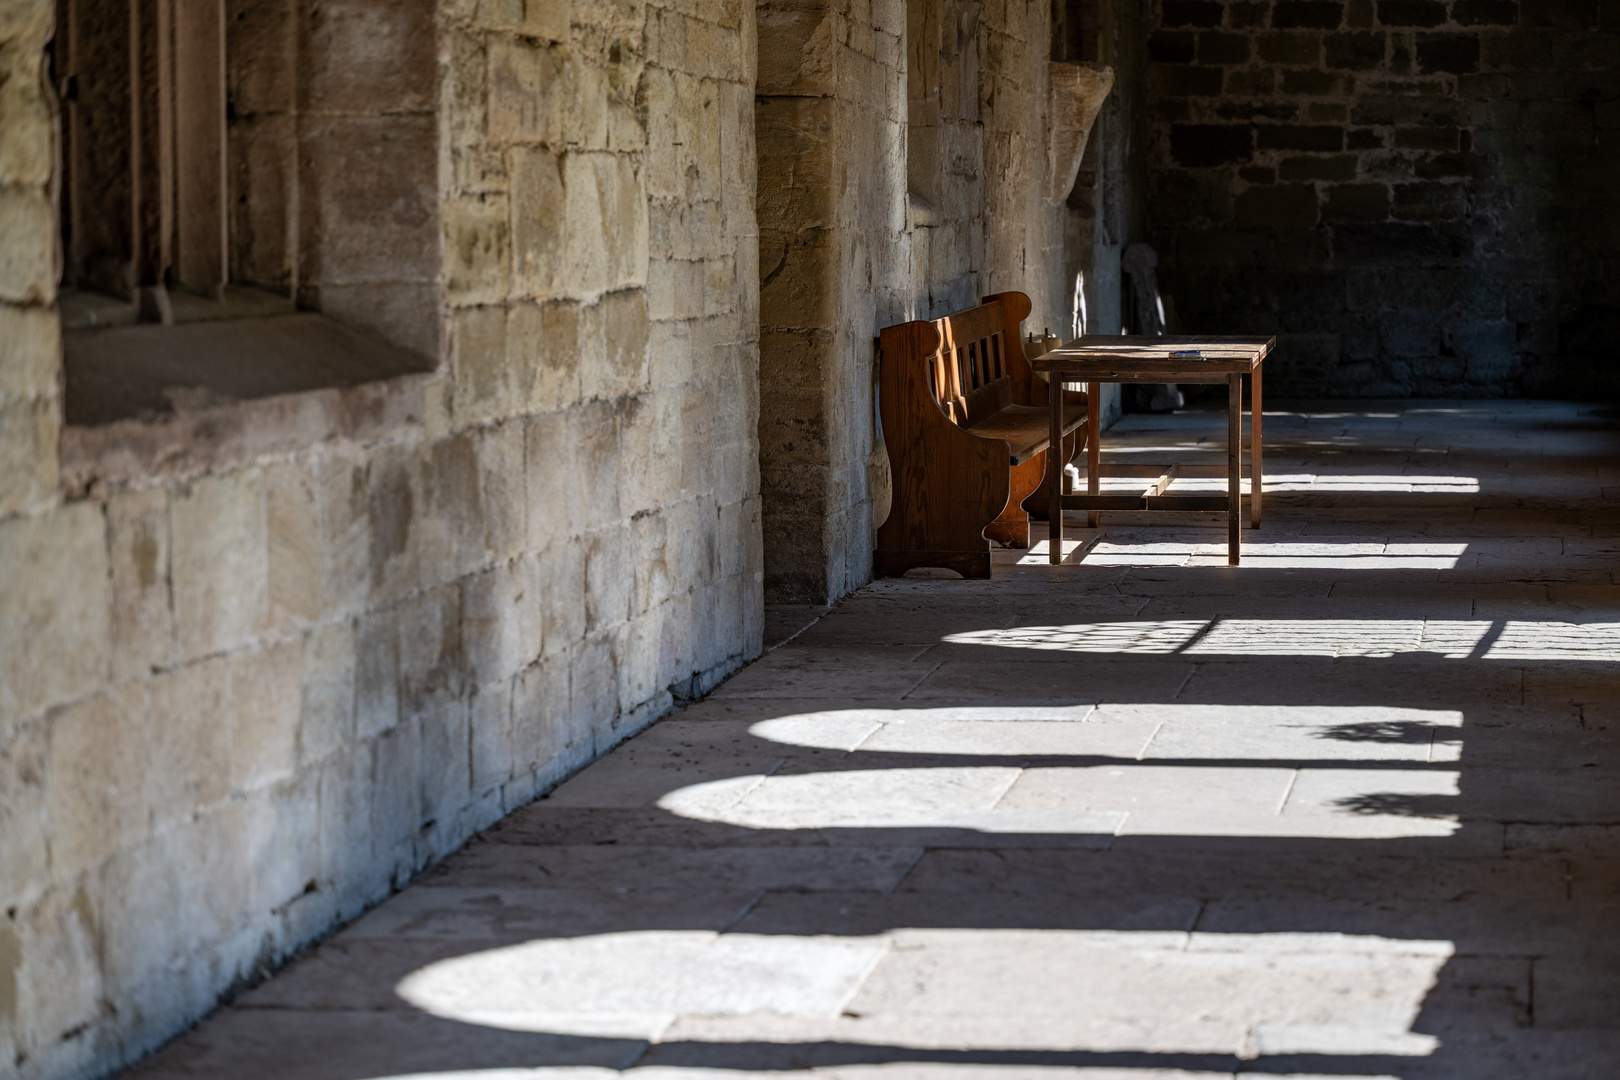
(1349, 810)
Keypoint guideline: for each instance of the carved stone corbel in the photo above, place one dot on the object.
(1078, 91)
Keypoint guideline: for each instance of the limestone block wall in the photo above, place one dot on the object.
(830, 124)
(1107, 209)
(945, 140)
(1414, 195)
(333, 160)
(249, 687)
(30, 382)
(859, 229)
(1024, 228)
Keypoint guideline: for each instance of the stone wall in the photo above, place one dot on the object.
(248, 688)
(333, 164)
(1024, 226)
(1107, 210)
(30, 379)
(1414, 195)
(830, 124)
(860, 229)
(945, 155)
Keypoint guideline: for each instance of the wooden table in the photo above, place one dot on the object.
(1096, 359)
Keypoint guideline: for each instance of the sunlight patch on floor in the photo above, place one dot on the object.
(1115, 730)
(892, 1070)
(1040, 550)
(1282, 555)
(1118, 796)
(1342, 483)
(1511, 639)
(955, 988)
(1206, 479)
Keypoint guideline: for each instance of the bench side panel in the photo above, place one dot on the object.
(948, 484)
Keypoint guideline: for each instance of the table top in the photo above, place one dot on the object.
(1135, 356)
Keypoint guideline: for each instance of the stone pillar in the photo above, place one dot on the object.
(829, 123)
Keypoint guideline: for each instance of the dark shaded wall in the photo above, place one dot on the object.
(1108, 206)
(1416, 196)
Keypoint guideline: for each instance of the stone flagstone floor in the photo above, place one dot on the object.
(1350, 810)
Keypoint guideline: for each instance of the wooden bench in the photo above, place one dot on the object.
(966, 423)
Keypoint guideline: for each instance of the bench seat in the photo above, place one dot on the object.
(967, 428)
(1026, 428)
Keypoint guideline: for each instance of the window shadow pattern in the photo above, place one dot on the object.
(557, 871)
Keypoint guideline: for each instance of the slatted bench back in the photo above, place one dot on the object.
(969, 372)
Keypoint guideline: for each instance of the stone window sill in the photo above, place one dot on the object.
(256, 377)
(83, 310)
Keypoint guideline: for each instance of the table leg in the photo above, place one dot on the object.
(1054, 473)
(1093, 447)
(1234, 466)
(1256, 473)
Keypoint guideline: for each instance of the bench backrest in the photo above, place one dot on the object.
(969, 372)
(979, 368)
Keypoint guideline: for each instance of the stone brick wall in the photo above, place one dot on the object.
(1024, 227)
(830, 124)
(945, 156)
(859, 231)
(1416, 196)
(249, 686)
(1107, 210)
(333, 162)
(30, 383)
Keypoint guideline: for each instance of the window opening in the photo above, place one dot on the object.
(144, 162)
(186, 256)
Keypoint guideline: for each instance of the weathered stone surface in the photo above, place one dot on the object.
(293, 584)
(28, 464)
(547, 733)
(477, 241)
(187, 739)
(26, 157)
(55, 609)
(143, 616)
(218, 544)
(99, 766)
(341, 499)
(27, 246)
(607, 223)
(56, 942)
(369, 59)
(375, 178)
(528, 90)
(264, 712)
(613, 345)
(539, 222)
(478, 361)
(31, 363)
(24, 866)
(328, 695)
